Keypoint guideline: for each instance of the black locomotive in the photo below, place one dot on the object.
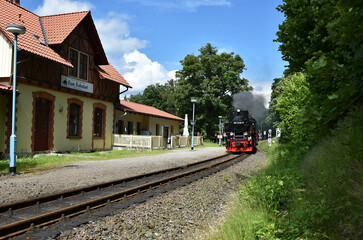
(241, 132)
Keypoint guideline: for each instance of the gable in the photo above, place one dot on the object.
(66, 28)
(32, 40)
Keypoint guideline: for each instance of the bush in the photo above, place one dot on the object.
(305, 193)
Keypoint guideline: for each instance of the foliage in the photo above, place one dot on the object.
(301, 194)
(312, 187)
(212, 78)
(333, 173)
(272, 115)
(209, 77)
(323, 39)
(159, 96)
(291, 104)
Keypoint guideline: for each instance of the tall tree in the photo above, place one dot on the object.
(272, 115)
(212, 79)
(323, 39)
(159, 96)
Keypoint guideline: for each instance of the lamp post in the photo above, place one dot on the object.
(16, 30)
(193, 100)
(220, 131)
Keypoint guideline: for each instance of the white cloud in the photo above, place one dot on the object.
(115, 35)
(140, 71)
(121, 48)
(123, 52)
(62, 6)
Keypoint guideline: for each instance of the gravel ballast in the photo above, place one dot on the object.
(182, 213)
(83, 173)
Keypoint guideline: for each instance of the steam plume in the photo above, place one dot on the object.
(254, 103)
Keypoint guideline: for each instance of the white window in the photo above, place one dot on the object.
(80, 62)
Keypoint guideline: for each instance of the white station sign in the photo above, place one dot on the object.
(76, 84)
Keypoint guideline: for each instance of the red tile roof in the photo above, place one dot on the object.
(110, 73)
(4, 87)
(144, 109)
(14, 14)
(58, 27)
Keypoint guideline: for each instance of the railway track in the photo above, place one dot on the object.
(20, 217)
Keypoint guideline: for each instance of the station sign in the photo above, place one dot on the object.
(75, 84)
(278, 132)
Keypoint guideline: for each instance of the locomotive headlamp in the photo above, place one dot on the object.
(231, 133)
(238, 110)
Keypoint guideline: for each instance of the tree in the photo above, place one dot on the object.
(212, 78)
(290, 104)
(272, 115)
(323, 39)
(159, 96)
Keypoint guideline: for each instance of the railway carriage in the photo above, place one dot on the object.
(241, 132)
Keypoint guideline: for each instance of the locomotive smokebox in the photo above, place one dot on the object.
(241, 132)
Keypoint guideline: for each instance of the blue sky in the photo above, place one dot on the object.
(146, 39)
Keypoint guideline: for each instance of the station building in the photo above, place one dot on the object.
(67, 91)
(138, 119)
(66, 88)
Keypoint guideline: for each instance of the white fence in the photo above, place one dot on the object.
(153, 142)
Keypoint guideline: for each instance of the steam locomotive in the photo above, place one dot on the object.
(241, 132)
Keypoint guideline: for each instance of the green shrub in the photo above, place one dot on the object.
(305, 192)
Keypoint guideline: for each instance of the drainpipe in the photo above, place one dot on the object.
(127, 88)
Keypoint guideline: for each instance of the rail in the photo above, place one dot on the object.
(39, 216)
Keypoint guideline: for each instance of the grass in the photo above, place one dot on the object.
(304, 193)
(208, 143)
(45, 161)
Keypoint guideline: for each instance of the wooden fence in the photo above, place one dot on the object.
(153, 142)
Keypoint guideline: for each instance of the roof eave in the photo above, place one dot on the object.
(66, 63)
(7, 38)
(128, 86)
(145, 114)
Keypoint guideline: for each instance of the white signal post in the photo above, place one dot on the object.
(278, 135)
(220, 136)
(269, 137)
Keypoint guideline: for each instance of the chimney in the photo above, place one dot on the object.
(15, 2)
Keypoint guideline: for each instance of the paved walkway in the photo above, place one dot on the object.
(88, 172)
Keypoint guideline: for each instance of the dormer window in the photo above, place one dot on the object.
(80, 62)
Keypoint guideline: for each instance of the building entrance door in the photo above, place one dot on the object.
(41, 124)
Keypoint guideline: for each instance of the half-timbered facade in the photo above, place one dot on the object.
(66, 87)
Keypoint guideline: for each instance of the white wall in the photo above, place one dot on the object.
(6, 54)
